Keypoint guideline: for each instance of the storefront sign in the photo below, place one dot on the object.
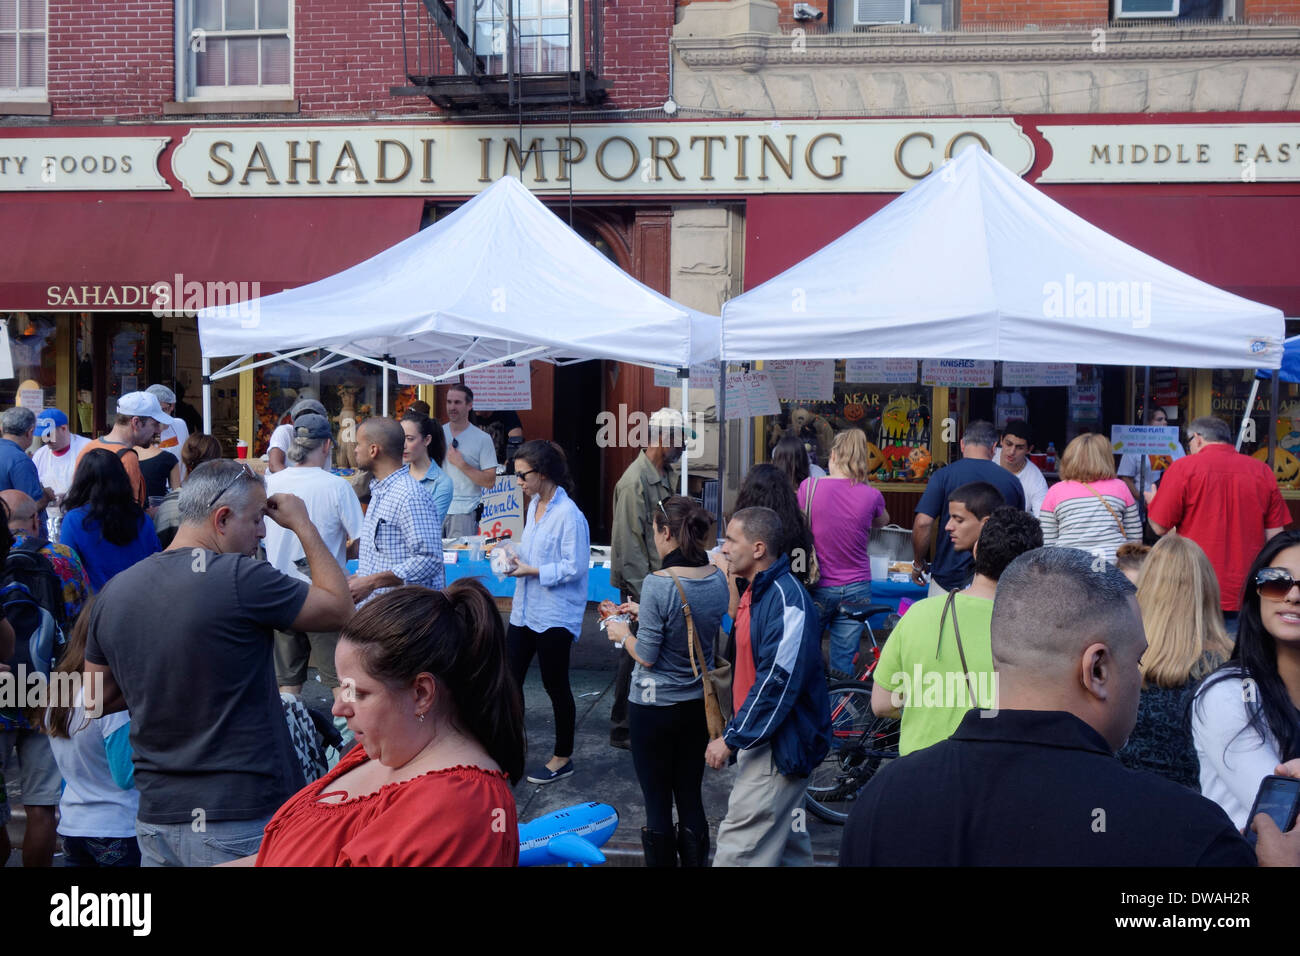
(751, 394)
(811, 380)
(502, 388)
(1143, 439)
(1031, 374)
(677, 158)
(892, 371)
(957, 373)
(503, 507)
(1173, 153)
(81, 163)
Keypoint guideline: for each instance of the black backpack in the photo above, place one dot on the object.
(31, 593)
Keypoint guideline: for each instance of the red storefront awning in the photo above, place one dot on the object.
(88, 255)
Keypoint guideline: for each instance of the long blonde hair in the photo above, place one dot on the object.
(1179, 597)
(850, 451)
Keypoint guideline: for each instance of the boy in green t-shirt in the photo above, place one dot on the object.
(921, 669)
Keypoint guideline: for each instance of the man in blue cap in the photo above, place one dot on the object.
(56, 460)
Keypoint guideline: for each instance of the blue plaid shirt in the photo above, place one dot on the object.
(402, 532)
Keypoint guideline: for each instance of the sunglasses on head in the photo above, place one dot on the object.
(244, 472)
(1274, 583)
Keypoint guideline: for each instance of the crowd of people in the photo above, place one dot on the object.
(1080, 670)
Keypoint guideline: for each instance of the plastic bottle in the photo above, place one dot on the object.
(1051, 456)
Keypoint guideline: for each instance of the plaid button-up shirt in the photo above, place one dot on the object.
(402, 532)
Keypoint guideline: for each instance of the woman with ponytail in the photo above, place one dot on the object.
(666, 720)
(550, 591)
(439, 725)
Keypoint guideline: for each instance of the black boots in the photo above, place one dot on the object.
(658, 847)
(693, 848)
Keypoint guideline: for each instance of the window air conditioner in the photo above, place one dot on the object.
(1132, 9)
(868, 12)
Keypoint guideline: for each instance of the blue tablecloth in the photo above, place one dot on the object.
(598, 586)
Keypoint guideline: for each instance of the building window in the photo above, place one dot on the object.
(22, 48)
(237, 49)
(542, 38)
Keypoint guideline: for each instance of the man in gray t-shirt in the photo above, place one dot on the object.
(213, 759)
(471, 463)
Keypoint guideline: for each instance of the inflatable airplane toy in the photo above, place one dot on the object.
(572, 836)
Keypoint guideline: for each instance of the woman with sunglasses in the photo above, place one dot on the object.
(102, 521)
(1246, 719)
(550, 593)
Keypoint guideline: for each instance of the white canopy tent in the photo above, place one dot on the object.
(500, 279)
(975, 263)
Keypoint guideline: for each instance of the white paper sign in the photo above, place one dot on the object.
(503, 505)
(130, 383)
(890, 371)
(810, 380)
(1033, 374)
(427, 366)
(957, 373)
(750, 394)
(502, 388)
(6, 355)
(704, 375)
(33, 398)
(1143, 439)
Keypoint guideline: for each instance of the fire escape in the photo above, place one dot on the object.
(489, 55)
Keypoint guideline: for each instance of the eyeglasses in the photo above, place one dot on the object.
(1274, 583)
(521, 475)
(244, 472)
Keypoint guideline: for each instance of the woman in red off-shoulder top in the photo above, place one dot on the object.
(439, 726)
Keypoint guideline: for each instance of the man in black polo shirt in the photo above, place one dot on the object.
(1036, 782)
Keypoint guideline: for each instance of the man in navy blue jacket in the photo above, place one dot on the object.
(781, 730)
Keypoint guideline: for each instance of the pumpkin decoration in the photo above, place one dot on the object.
(853, 413)
(875, 458)
(1286, 467)
(918, 461)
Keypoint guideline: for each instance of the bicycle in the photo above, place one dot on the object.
(861, 742)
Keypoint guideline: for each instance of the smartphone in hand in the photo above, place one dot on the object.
(1279, 797)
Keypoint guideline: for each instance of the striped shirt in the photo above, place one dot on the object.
(1074, 516)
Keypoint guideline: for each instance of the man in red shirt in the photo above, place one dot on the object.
(1225, 501)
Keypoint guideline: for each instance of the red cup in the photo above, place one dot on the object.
(241, 449)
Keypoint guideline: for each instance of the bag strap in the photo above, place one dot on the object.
(1106, 504)
(690, 625)
(961, 651)
(807, 507)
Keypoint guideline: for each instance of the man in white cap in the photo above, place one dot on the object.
(139, 418)
(55, 460)
(173, 436)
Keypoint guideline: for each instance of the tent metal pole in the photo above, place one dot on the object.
(684, 380)
(384, 372)
(207, 396)
(235, 368)
(721, 406)
(1142, 459)
(1275, 396)
(1250, 412)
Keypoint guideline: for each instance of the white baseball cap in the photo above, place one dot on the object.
(143, 405)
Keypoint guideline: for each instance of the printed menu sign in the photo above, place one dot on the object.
(890, 371)
(957, 373)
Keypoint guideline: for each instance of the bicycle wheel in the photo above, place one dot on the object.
(861, 743)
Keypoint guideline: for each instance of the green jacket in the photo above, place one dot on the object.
(636, 497)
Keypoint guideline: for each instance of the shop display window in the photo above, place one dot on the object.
(32, 342)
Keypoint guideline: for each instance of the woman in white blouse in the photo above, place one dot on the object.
(1246, 719)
